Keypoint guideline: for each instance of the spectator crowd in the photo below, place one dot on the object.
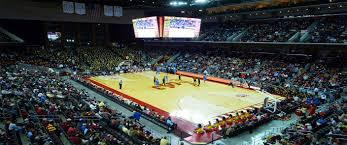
(298, 80)
(329, 29)
(326, 125)
(42, 106)
(46, 109)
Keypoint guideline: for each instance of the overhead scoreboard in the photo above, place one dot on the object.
(146, 27)
(180, 27)
(166, 27)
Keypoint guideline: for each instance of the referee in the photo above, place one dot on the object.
(120, 84)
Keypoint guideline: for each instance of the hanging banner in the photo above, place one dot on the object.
(94, 12)
(108, 10)
(118, 11)
(80, 8)
(68, 7)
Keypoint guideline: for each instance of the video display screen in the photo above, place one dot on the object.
(53, 36)
(181, 27)
(146, 27)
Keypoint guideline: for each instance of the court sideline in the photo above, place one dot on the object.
(155, 129)
(182, 98)
(242, 139)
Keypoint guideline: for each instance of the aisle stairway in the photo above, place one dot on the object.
(240, 35)
(230, 38)
(154, 61)
(295, 37)
(173, 58)
(9, 37)
(306, 36)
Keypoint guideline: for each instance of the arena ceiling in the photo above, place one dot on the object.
(199, 7)
(186, 3)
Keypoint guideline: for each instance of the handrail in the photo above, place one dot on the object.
(12, 36)
(337, 135)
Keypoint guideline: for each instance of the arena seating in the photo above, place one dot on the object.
(53, 111)
(280, 75)
(147, 113)
(221, 32)
(299, 79)
(331, 29)
(162, 72)
(313, 125)
(280, 30)
(98, 59)
(5, 38)
(260, 71)
(7, 58)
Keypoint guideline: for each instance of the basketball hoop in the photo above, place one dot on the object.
(270, 102)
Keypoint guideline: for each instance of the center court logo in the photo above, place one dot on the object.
(241, 95)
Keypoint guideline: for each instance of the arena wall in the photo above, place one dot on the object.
(53, 11)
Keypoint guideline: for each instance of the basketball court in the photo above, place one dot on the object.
(182, 98)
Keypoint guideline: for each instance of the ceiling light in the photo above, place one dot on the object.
(178, 3)
(200, 1)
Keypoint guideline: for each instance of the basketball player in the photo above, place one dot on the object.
(174, 70)
(205, 76)
(164, 81)
(231, 84)
(198, 81)
(166, 78)
(156, 82)
(120, 84)
(158, 70)
(194, 79)
(179, 77)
